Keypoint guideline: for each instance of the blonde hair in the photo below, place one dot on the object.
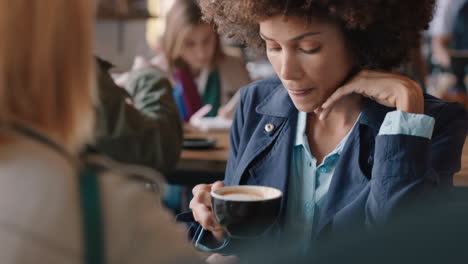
(47, 68)
(183, 16)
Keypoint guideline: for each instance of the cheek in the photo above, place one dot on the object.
(331, 71)
(210, 50)
(187, 56)
(275, 61)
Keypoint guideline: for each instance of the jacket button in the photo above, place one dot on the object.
(269, 127)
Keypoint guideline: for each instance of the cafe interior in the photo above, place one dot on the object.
(185, 162)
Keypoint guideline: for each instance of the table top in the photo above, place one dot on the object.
(206, 160)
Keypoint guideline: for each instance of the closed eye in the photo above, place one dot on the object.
(274, 49)
(310, 51)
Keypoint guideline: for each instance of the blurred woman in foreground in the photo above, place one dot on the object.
(46, 117)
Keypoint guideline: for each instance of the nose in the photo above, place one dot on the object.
(201, 52)
(290, 67)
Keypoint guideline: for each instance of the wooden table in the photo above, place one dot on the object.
(202, 165)
(211, 159)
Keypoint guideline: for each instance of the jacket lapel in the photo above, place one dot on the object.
(271, 168)
(266, 154)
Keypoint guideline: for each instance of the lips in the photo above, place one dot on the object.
(300, 92)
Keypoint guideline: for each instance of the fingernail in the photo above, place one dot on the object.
(321, 116)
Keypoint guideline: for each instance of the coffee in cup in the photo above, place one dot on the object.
(246, 211)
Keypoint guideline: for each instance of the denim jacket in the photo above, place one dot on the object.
(375, 172)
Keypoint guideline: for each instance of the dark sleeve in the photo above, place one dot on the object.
(149, 132)
(408, 168)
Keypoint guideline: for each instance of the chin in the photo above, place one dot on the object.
(307, 103)
(308, 108)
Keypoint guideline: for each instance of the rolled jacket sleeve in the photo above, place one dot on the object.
(403, 123)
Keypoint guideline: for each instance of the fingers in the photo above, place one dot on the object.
(222, 112)
(201, 206)
(201, 112)
(226, 113)
(201, 188)
(204, 216)
(203, 197)
(217, 185)
(221, 259)
(354, 85)
(385, 88)
(326, 107)
(207, 187)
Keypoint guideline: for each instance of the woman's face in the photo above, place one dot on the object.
(199, 47)
(311, 59)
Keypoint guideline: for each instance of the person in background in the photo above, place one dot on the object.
(140, 124)
(346, 139)
(137, 123)
(194, 59)
(46, 118)
(450, 45)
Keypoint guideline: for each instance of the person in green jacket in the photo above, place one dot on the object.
(139, 124)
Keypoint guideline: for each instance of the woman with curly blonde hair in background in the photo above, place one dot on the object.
(342, 135)
(50, 212)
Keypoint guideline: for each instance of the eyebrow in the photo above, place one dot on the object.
(294, 38)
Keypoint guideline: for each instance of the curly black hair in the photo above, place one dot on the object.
(380, 33)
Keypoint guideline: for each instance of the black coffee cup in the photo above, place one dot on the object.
(246, 211)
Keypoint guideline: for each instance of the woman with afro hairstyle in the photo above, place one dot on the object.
(345, 138)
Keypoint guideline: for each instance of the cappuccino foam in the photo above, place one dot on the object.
(242, 196)
(246, 193)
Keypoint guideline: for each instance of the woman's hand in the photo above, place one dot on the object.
(201, 208)
(226, 113)
(221, 259)
(386, 88)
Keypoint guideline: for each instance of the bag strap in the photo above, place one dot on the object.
(92, 215)
(27, 132)
(90, 201)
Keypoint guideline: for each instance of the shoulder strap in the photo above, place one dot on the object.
(91, 212)
(42, 139)
(91, 216)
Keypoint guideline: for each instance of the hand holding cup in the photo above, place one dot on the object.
(202, 209)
